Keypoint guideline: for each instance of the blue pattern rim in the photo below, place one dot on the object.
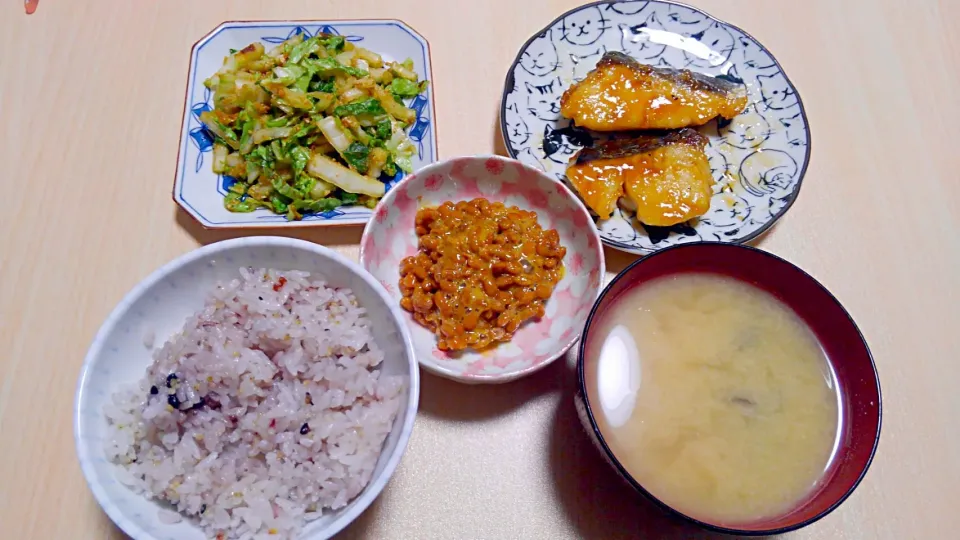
(344, 220)
(605, 449)
(510, 82)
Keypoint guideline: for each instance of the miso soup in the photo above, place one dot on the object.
(715, 396)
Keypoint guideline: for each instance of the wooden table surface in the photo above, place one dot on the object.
(90, 108)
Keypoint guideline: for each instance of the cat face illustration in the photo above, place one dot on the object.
(719, 43)
(776, 93)
(584, 27)
(517, 131)
(747, 130)
(768, 172)
(627, 8)
(729, 215)
(584, 63)
(540, 58)
(635, 41)
(543, 100)
(792, 125)
(685, 17)
(557, 147)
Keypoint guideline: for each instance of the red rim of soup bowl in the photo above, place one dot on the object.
(839, 336)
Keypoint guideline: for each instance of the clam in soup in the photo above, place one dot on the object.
(715, 396)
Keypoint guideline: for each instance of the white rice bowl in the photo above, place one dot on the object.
(274, 406)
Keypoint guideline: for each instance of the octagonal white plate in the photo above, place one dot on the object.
(758, 158)
(199, 191)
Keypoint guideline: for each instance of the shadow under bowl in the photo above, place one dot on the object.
(837, 333)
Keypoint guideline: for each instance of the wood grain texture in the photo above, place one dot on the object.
(90, 109)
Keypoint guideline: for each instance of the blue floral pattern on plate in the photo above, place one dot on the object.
(200, 192)
(758, 158)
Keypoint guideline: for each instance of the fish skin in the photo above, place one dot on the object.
(646, 142)
(666, 177)
(623, 94)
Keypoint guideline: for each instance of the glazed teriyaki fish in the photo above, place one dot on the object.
(666, 178)
(623, 94)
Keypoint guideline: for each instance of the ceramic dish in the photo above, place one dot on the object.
(390, 237)
(162, 302)
(837, 333)
(758, 159)
(200, 192)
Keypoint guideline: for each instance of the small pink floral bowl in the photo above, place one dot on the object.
(390, 237)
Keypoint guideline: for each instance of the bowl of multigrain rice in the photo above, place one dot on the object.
(240, 391)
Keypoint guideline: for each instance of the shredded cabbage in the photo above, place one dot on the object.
(310, 125)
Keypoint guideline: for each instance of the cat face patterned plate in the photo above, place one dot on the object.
(758, 159)
(200, 191)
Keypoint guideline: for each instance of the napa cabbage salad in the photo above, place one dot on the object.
(310, 125)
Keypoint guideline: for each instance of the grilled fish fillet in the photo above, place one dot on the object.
(666, 177)
(623, 94)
